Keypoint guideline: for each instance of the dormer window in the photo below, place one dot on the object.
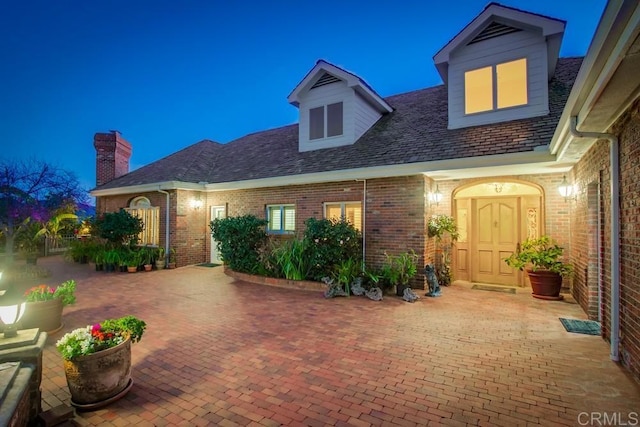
(326, 121)
(495, 87)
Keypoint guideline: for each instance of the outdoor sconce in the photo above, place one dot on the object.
(10, 313)
(197, 202)
(436, 196)
(566, 190)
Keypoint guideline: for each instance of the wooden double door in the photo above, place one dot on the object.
(496, 227)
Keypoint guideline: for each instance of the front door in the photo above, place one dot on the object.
(217, 212)
(496, 235)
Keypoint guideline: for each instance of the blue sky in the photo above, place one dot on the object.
(170, 73)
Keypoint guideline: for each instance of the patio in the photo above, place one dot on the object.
(224, 352)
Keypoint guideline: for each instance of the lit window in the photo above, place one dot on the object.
(509, 89)
(350, 211)
(150, 216)
(281, 218)
(326, 121)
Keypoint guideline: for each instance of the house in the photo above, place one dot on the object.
(511, 123)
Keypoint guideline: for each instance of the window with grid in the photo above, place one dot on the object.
(150, 216)
(497, 86)
(350, 211)
(281, 218)
(326, 121)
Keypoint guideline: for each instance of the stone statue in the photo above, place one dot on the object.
(432, 281)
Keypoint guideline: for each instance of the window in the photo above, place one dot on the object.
(350, 211)
(326, 121)
(281, 218)
(495, 87)
(150, 215)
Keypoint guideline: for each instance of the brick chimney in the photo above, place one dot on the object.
(112, 156)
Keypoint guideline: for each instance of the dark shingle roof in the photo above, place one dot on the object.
(416, 131)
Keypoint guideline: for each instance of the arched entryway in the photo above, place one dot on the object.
(493, 218)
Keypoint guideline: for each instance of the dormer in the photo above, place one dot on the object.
(498, 67)
(336, 107)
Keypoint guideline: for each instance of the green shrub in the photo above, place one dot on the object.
(240, 241)
(330, 242)
(292, 259)
(117, 227)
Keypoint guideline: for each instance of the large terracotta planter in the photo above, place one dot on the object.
(45, 315)
(545, 284)
(98, 379)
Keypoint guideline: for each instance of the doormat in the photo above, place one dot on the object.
(588, 327)
(207, 264)
(495, 288)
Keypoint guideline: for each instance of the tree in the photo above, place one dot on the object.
(33, 189)
(120, 228)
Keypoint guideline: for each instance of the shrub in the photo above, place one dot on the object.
(117, 227)
(240, 241)
(291, 259)
(330, 242)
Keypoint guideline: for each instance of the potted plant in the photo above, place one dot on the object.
(44, 306)
(160, 259)
(97, 360)
(132, 260)
(172, 258)
(441, 226)
(541, 258)
(398, 270)
(147, 255)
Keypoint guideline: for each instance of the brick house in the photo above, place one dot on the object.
(490, 147)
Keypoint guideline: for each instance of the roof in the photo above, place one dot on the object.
(353, 81)
(416, 131)
(551, 28)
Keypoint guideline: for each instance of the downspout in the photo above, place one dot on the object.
(166, 225)
(364, 221)
(615, 230)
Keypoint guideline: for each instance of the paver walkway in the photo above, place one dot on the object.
(224, 352)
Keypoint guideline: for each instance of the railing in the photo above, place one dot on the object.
(56, 245)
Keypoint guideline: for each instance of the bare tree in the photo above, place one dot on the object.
(30, 190)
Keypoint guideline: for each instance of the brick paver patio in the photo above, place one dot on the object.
(223, 352)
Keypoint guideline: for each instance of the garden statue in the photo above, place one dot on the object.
(432, 281)
(409, 295)
(374, 294)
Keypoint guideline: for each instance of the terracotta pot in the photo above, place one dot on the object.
(545, 284)
(148, 267)
(46, 315)
(97, 379)
(132, 269)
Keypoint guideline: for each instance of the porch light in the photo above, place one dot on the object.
(11, 311)
(566, 190)
(436, 196)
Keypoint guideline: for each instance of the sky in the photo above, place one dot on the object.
(168, 73)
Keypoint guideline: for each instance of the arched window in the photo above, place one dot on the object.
(150, 215)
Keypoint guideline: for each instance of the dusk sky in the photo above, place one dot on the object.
(168, 73)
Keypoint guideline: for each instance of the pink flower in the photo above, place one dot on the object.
(96, 327)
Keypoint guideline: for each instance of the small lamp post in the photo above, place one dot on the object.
(11, 311)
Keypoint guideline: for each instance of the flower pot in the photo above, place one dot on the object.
(148, 267)
(160, 264)
(545, 284)
(132, 269)
(97, 379)
(171, 265)
(45, 315)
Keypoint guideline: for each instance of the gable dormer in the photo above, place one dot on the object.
(499, 66)
(336, 107)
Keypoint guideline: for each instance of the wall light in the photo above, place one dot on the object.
(197, 202)
(567, 190)
(436, 196)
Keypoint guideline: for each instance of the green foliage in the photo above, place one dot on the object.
(240, 241)
(66, 292)
(330, 242)
(117, 227)
(441, 224)
(28, 239)
(346, 272)
(292, 259)
(542, 253)
(399, 269)
(128, 325)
